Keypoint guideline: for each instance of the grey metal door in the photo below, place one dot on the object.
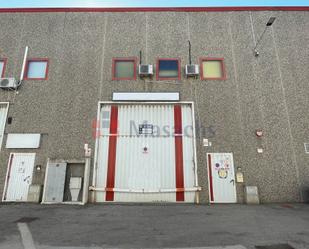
(54, 183)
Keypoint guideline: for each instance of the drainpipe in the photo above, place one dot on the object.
(22, 73)
(86, 174)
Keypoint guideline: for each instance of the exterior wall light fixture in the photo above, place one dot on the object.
(268, 24)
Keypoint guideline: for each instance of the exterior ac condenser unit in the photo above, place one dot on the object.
(145, 70)
(7, 83)
(192, 70)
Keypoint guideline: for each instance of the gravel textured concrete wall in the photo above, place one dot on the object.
(269, 92)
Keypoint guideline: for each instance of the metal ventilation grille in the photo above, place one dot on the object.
(144, 68)
(4, 82)
(306, 147)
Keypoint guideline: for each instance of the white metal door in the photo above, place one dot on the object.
(19, 176)
(221, 178)
(151, 155)
(3, 115)
(140, 157)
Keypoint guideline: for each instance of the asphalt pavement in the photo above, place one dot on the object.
(34, 226)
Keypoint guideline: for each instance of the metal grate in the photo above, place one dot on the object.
(277, 246)
(144, 68)
(26, 219)
(4, 82)
(306, 147)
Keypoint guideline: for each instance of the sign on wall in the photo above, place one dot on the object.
(23, 141)
(146, 96)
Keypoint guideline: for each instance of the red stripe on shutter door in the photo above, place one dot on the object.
(110, 182)
(180, 195)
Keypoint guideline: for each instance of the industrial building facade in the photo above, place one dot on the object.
(235, 119)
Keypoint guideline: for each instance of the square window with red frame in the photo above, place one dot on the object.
(2, 67)
(168, 69)
(36, 69)
(212, 69)
(124, 69)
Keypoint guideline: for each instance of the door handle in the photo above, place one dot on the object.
(232, 181)
(27, 178)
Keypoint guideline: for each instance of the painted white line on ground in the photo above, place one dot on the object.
(70, 247)
(211, 247)
(217, 247)
(26, 236)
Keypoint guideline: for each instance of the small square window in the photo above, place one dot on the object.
(2, 67)
(37, 69)
(145, 129)
(168, 69)
(212, 68)
(124, 69)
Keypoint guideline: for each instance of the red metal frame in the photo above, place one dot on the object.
(111, 161)
(180, 195)
(36, 60)
(158, 9)
(213, 59)
(168, 78)
(4, 60)
(210, 179)
(133, 59)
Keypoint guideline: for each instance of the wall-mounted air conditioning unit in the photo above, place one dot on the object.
(145, 70)
(7, 83)
(192, 70)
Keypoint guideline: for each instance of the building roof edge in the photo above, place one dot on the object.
(157, 9)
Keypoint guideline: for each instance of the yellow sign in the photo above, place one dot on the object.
(239, 177)
(223, 173)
